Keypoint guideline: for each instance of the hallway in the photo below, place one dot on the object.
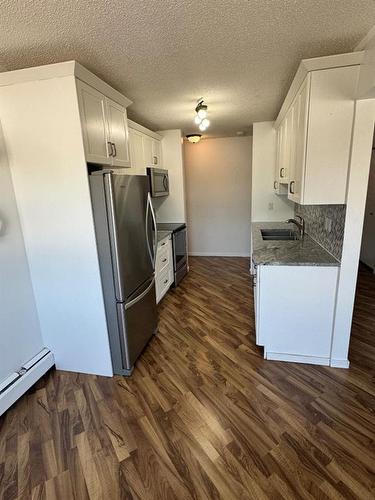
(204, 415)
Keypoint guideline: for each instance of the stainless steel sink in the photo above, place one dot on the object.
(279, 234)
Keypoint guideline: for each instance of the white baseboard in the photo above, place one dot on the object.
(296, 358)
(219, 254)
(18, 388)
(339, 363)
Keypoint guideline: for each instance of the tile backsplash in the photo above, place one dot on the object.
(316, 219)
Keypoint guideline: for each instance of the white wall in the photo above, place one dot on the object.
(172, 208)
(20, 335)
(43, 138)
(368, 237)
(218, 189)
(266, 205)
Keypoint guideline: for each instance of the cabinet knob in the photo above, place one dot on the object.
(291, 187)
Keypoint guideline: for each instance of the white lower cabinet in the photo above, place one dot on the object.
(163, 268)
(294, 312)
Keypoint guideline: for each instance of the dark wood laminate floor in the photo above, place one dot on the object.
(204, 416)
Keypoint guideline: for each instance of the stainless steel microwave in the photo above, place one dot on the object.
(159, 181)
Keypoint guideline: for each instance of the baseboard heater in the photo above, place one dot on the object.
(14, 386)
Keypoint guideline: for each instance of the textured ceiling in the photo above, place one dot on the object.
(163, 54)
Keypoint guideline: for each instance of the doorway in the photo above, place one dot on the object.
(368, 237)
(362, 341)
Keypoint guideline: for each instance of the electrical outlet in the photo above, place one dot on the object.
(328, 224)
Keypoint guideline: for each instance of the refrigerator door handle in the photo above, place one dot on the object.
(140, 297)
(113, 234)
(148, 206)
(155, 227)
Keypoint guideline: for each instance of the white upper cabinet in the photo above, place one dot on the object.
(152, 151)
(314, 137)
(104, 128)
(156, 153)
(118, 134)
(145, 150)
(136, 151)
(298, 149)
(94, 124)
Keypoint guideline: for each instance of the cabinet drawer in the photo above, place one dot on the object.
(162, 258)
(164, 243)
(163, 283)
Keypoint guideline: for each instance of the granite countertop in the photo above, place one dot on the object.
(163, 234)
(306, 252)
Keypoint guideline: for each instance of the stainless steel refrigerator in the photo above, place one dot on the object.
(126, 237)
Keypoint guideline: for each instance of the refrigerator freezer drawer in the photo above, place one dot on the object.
(137, 324)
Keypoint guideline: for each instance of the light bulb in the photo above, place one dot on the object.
(197, 120)
(202, 113)
(202, 127)
(206, 122)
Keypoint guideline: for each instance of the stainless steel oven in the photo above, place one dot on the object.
(159, 181)
(179, 254)
(179, 243)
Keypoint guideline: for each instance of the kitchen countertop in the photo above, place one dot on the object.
(163, 234)
(306, 252)
(170, 226)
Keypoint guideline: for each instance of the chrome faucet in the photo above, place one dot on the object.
(300, 225)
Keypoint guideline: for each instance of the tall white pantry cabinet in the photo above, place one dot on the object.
(55, 119)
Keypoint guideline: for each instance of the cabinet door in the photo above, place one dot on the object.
(119, 134)
(147, 151)
(136, 152)
(156, 153)
(287, 146)
(92, 105)
(330, 125)
(277, 162)
(293, 141)
(301, 106)
(283, 163)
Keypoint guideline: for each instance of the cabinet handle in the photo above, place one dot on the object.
(275, 184)
(166, 281)
(282, 170)
(110, 152)
(155, 160)
(164, 260)
(291, 191)
(114, 149)
(163, 244)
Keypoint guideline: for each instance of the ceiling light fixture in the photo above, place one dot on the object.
(200, 118)
(194, 138)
